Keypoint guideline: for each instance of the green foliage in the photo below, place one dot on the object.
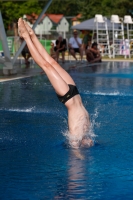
(12, 10)
(66, 7)
(106, 8)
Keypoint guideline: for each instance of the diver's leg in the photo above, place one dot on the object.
(67, 78)
(60, 86)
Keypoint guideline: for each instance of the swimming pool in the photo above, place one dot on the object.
(36, 163)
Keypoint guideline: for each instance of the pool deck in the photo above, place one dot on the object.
(34, 70)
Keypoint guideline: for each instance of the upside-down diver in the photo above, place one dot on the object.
(64, 86)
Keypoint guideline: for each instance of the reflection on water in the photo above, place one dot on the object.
(76, 178)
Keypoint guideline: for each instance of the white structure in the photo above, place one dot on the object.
(63, 26)
(49, 22)
(34, 26)
(129, 28)
(118, 46)
(8, 67)
(100, 34)
(44, 26)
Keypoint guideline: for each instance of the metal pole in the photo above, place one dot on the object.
(34, 26)
(113, 42)
(128, 37)
(7, 61)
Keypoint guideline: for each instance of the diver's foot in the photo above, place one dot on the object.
(29, 29)
(22, 29)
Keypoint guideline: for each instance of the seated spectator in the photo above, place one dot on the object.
(52, 51)
(60, 48)
(88, 46)
(26, 54)
(93, 54)
(75, 45)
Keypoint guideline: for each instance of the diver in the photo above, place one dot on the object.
(64, 86)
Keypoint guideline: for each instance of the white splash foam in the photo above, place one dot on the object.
(90, 134)
(115, 93)
(31, 110)
(21, 110)
(93, 123)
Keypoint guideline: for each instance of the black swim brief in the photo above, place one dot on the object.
(71, 93)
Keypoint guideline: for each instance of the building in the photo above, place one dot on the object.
(48, 23)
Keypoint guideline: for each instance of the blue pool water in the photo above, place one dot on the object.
(36, 163)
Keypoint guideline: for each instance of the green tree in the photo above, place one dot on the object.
(106, 8)
(12, 10)
(66, 7)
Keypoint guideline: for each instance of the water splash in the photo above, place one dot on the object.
(88, 135)
(31, 110)
(22, 110)
(93, 117)
(28, 110)
(115, 93)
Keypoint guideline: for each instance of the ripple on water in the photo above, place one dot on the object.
(35, 161)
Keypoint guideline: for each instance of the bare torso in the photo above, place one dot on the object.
(78, 120)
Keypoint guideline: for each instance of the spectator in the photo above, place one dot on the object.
(52, 51)
(93, 54)
(60, 48)
(88, 46)
(26, 54)
(75, 45)
(86, 40)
